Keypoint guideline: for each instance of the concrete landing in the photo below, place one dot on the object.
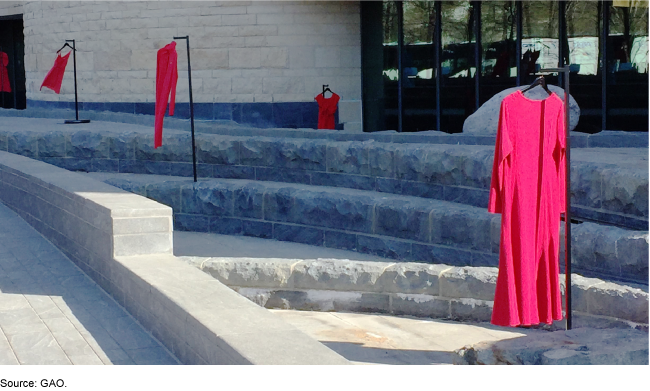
(52, 313)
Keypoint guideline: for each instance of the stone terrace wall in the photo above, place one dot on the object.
(601, 190)
(242, 51)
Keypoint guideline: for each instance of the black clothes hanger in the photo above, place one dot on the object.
(540, 81)
(63, 47)
(326, 87)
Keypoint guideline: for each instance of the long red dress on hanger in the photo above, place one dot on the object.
(166, 79)
(54, 77)
(5, 86)
(528, 189)
(326, 110)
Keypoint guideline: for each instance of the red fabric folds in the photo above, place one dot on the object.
(166, 79)
(5, 86)
(326, 110)
(54, 77)
(528, 188)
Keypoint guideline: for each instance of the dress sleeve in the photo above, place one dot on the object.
(502, 150)
(560, 158)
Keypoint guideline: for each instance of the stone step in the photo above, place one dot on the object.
(392, 226)
(608, 185)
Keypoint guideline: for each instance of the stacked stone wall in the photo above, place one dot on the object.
(242, 52)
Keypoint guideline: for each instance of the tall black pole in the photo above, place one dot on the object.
(74, 63)
(567, 214)
(438, 65)
(2, 77)
(76, 100)
(400, 65)
(189, 77)
(567, 177)
(520, 30)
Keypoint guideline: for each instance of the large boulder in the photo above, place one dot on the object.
(486, 119)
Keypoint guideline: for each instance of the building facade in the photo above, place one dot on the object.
(262, 63)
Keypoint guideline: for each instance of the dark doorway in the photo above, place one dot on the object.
(12, 42)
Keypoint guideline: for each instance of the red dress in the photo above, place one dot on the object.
(54, 77)
(4, 75)
(528, 189)
(166, 79)
(326, 110)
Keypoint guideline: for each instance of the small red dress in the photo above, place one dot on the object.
(326, 110)
(54, 77)
(528, 189)
(5, 86)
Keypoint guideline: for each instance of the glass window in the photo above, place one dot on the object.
(458, 65)
(390, 72)
(584, 34)
(539, 41)
(499, 54)
(627, 66)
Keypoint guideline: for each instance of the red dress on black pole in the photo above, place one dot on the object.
(528, 189)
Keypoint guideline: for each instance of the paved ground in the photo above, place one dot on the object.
(52, 313)
(384, 339)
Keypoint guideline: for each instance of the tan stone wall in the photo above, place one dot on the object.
(241, 51)
(11, 8)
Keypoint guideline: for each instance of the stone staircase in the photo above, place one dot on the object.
(408, 199)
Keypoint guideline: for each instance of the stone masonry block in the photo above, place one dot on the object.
(176, 147)
(215, 198)
(301, 154)
(411, 278)
(251, 272)
(420, 305)
(348, 157)
(279, 204)
(23, 143)
(298, 234)
(217, 150)
(442, 165)
(52, 144)
(586, 184)
(407, 219)
(632, 254)
(618, 301)
(167, 193)
(625, 191)
(471, 310)
(384, 247)
(258, 151)
(409, 164)
(462, 226)
(123, 145)
(152, 243)
(86, 144)
(333, 210)
(338, 275)
(468, 282)
(249, 201)
(381, 160)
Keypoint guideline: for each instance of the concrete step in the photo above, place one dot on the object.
(392, 226)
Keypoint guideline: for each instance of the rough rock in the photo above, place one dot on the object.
(486, 119)
(474, 282)
(573, 347)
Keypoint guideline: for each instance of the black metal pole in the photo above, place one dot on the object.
(520, 30)
(189, 77)
(567, 214)
(76, 100)
(477, 53)
(603, 59)
(74, 64)
(2, 78)
(438, 65)
(400, 69)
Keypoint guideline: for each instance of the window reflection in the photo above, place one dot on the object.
(627, 65)
(539, 43)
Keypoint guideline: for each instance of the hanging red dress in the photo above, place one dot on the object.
(528, 189)
(166, 79)
(326, 110)
(4, 75)
(54, 77)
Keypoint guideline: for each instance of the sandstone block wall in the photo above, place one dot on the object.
(241, 51)
(11, 8)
